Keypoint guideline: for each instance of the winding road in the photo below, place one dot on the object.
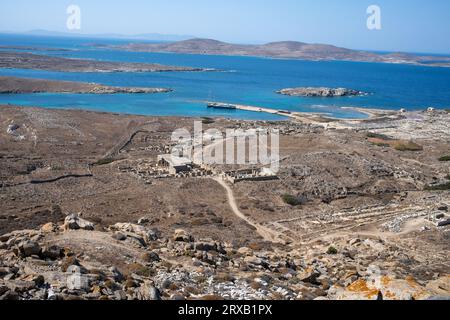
(267, 233)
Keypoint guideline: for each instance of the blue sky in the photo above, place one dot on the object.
(407, 25)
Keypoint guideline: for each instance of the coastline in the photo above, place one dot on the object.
(15, 85)
(282, 50)
(317, 117)
(25, 60)
(312, 118)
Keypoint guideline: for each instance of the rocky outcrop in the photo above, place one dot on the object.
(385, 287)
(67, 263)
(182, 236)
(74, 222)
(320, 92)
(13, 85)
(25, 60)
(98, 89)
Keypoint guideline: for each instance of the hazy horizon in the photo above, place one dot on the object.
(407, 26)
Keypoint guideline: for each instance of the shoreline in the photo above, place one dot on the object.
(26, 60)
(16, 85)
(302, 117)
(287, 58)
(316, 117)
(281, 50)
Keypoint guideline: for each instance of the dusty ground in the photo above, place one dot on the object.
(59, 143)
(25, 60)
(57, 162)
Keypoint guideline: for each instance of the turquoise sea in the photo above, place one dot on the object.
(242, 80)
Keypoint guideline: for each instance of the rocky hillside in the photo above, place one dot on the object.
(79, 260)
(25, 60)
(320, 92)
(11, 85)
(284, 49)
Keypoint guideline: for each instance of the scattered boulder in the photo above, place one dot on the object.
(181, 235)
(136, 231)
(439, 287)
(116, 274)
(52, 252)
(309, 275)
(359, 290)
(136, 241)
(148, 292)
(10, 295)
(384, 287)
(3, 289)
(440, 216)
(209, 246)
(74, 222)
(119, 236)
(49, 227)
(29, 248)
(120, 295)
(396, 289)
(68, 262)
(150, 257)
(444, 223)
(142, 221)
(245, 251)
(153, 234)
(375, 245)
(12, 128)
(253, 261)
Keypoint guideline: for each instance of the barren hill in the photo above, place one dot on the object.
(284, 49)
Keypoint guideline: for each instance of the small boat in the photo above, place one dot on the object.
(221, 105)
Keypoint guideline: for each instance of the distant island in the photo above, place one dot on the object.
(320, 92)
(13, 85)
(284, 50)
(25, 60)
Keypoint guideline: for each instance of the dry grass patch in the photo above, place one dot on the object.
(399, 145)
(407, 146)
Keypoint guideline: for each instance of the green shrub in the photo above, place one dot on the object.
(377, 136)
(444, 158)
(332, 250)
(141, 270)
(381, 144)
(292, 200)
(104, 161)
(206, 120)
(407, 146)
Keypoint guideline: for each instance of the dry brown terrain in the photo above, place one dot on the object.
(363, 208)
(25, 60)
(13, 85)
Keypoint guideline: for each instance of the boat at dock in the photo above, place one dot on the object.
(216, 105)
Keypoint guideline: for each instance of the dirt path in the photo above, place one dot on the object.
(267, 233)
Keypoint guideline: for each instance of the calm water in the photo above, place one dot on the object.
(244, 80)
